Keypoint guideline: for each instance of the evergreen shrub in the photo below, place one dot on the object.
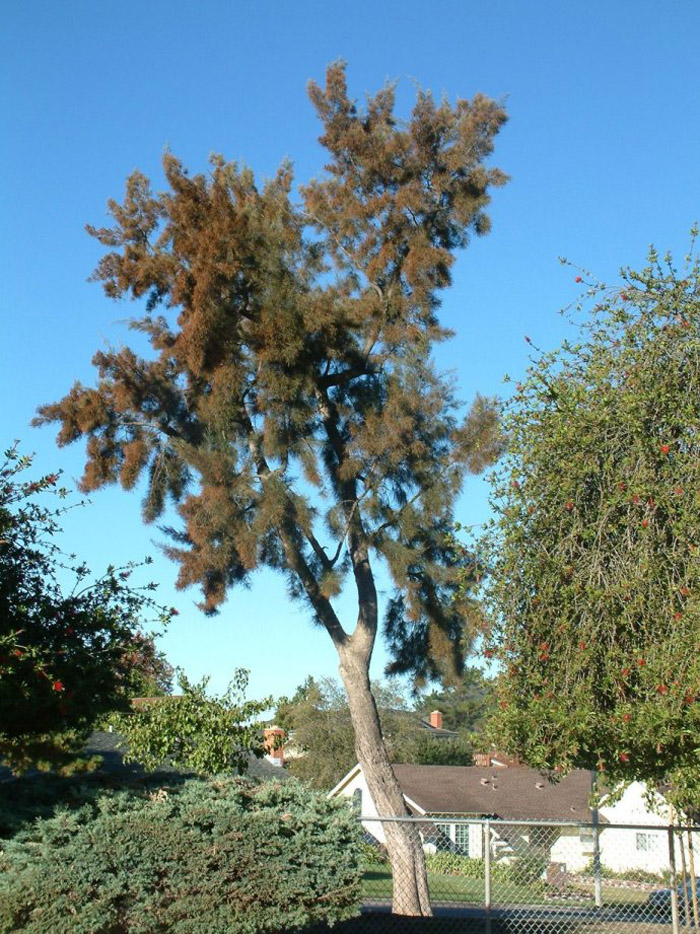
(204, 857)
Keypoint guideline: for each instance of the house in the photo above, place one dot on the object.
(557, 820)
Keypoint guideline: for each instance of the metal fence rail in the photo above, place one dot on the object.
(544, 877)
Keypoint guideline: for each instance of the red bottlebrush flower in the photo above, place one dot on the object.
(544, 657)
(626, 672)
(624, 757)
(626, 718)
(58, 686)
(531, 509)
(651, 503)
(665, 448)
(635, 499)
(689, 699)
(685, 591)
(582, 645)
(662, 689)
(645, 523)
(488, 653)
(578, 279)
(622, 487)
(678, 616)
(641, 662)
(678, 491)
(569, 505)
(174, 612)
(18, 653)
(623, 296)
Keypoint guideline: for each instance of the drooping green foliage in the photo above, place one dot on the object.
(290, 407)
(595, 567)
(194, 730)
(67, 657)
(218, 856)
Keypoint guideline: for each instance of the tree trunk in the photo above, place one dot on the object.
(410, 880)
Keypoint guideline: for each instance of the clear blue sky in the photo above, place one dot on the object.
(603, 146)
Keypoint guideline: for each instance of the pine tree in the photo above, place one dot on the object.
(291, 408)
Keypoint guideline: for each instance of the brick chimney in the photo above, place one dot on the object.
(274, 737)
(436, 719)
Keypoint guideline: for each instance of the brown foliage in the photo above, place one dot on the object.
(295, 340)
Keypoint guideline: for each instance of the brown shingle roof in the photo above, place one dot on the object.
(513, 793)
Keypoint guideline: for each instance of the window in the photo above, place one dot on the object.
(462, 839)
(453, 838)
(357, 800)
(645, 842)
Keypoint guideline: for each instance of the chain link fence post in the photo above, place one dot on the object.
(675, 917)
(487, 876)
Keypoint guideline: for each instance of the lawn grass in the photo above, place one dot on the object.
(458, 890)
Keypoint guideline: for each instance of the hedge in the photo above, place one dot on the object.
(202, 857)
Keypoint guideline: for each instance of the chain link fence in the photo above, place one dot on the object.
(544, 877)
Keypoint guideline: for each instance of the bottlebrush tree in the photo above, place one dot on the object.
(67, 655)
(594, 551)
(290, 407)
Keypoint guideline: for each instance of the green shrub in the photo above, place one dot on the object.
(629, 875)
(198, 858)
(373, 854)
(453, 864)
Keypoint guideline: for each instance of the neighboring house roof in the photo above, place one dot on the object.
(107, 745)
(437, 732)
(512, 794)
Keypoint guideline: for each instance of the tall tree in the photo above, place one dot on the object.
(595, 568)
(292, 377)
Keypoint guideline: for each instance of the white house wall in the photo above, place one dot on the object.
(622, 850)
(357, 782)
(572, 848)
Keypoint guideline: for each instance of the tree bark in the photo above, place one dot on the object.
(410, 880)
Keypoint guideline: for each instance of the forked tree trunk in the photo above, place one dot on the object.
(410, 880)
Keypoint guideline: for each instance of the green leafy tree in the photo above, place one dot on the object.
(594, 559)
(465, 703)
(317, 719)
(290, 407)
(66, 656)
(194, 730)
